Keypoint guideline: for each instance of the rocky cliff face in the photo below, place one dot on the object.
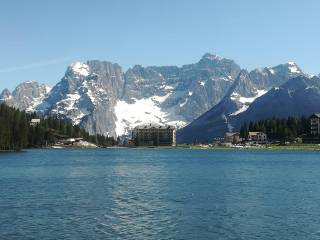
(87, 95)
(175, 95)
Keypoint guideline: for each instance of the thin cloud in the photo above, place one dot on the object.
(35, 65)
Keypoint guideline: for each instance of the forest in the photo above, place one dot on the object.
(17, 133)
(279, 129)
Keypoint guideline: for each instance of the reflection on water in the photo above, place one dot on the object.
(159, 194)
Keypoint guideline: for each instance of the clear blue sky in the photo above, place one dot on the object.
(40, 38)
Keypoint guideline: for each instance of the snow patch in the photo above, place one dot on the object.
(190, 93)
(48, 89)
(271, 71)
(293, 68)
(167, 87)
(241, 99)
(183, 103)
(311, 87)
(242, 109)
(213, 57)
(80, 68)
(202, 83)
(227, 78)
(245, 101)
(160, 99)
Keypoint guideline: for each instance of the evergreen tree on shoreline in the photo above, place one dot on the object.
(279, 129)
(17, 133)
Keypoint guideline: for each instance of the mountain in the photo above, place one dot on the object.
(298, 96)
(26, 96)
(103, 99)
(87, 95)
(205, 99)
(171, 94)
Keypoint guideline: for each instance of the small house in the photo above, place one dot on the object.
(232, 137)
(34, 122)
(259, 137)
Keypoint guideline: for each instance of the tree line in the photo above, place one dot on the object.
(279, 129)
(17, 133)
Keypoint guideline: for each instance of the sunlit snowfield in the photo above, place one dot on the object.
(159, 194)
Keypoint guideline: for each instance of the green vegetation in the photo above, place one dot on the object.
(17, 133)
(279, 129)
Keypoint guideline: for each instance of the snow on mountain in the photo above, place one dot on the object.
(145, 110)
(48, 89)
(80, 68)
(212, 57)
(202, 83)
(293, 67)
(246, 101)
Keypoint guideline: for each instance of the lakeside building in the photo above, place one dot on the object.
(71, 141)
(232, 137)
(315, 124)
(34, 122)
(259, 137)
(153, 135)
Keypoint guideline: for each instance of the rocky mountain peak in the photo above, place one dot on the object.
(26, 96)
(79, 68)
(300, 82)
(265, 78)
(29, 89)
(212, 60)
(290, 68)
(5, 95)
(211, 57)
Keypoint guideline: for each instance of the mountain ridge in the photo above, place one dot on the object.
(104, 99)
(297, 97)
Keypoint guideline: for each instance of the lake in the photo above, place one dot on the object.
(159, 194)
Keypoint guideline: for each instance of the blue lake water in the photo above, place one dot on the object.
(159, 194)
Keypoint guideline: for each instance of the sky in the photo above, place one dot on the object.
(39, 39)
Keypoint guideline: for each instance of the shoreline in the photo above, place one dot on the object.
(306, 147)
(300, 147)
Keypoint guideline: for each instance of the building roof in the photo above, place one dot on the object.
(231, 134)
(317, 115)
(154, 125)
(255, 133)
(35, 120)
